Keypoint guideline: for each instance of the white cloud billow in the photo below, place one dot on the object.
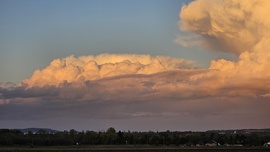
(72, 69)
(233, 26)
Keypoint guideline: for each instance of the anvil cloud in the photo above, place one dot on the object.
(172, 93)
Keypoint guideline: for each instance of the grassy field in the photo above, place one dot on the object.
(131, 149)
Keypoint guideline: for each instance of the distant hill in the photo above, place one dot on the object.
(34, 130)
(229, 131)
(241, 131)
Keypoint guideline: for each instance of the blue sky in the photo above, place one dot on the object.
(34, 32)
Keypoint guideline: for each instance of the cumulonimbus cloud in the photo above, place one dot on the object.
(72, 69)
(127, 86)
(233, 26)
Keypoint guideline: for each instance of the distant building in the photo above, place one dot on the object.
(267, 144)
(237, 145)
(222, 133)
(210, 144)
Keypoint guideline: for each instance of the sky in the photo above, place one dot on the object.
(33, 33)
(134, 65)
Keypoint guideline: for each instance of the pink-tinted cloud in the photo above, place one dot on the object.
(233, 26)
(148, 90)
(238, 27)
(85, 68)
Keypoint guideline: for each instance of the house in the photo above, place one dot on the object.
(267, 144)
(212, 144)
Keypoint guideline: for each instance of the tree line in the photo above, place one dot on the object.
(9, 137)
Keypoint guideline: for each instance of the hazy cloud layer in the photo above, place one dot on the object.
(183, 98)
(152, 91)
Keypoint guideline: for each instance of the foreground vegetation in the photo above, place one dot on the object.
(167, 139)
(119, 148)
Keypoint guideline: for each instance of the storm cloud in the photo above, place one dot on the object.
(161, 92)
